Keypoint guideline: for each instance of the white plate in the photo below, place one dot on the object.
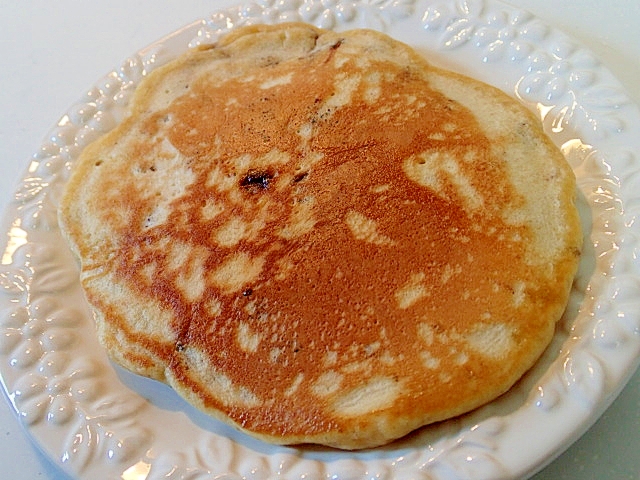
(98, 421)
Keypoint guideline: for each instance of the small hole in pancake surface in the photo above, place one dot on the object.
(299, 177)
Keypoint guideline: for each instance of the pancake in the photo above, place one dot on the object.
(319, 237)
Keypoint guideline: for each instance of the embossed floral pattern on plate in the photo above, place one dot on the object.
(96, 420)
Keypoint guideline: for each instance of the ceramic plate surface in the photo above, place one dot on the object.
(98, 421)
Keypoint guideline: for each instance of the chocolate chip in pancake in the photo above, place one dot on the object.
(319, 237)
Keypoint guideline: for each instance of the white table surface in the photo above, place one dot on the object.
(51, 52)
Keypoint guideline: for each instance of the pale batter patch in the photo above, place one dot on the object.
(327, 383)
(366, 229)
(149, 272)
(247, 339)
(232, 232)
(363, 367)
(272, 158)
(429, 361)
(461, 358)
(492, 340)
(211, 209)
(191, 279)
(301, 221)
(179, 255)
(330, 358)
(156, 217)
(220, 180)
(377, 394)
(237, 229)
(274, 354)
(284, 267)
(412, 291)
(519, 294)
(345, 86)
(449, 272)
(381, 188)
(236, 271)
(164, 170)
(373, 87)
(276, 82)
(435, 169)
(293, 388)
(426, 333)
(229, 393)
(213, 307)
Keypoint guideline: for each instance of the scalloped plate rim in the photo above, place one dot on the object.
(529, 467)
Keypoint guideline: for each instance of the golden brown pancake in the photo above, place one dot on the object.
(319, 237)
